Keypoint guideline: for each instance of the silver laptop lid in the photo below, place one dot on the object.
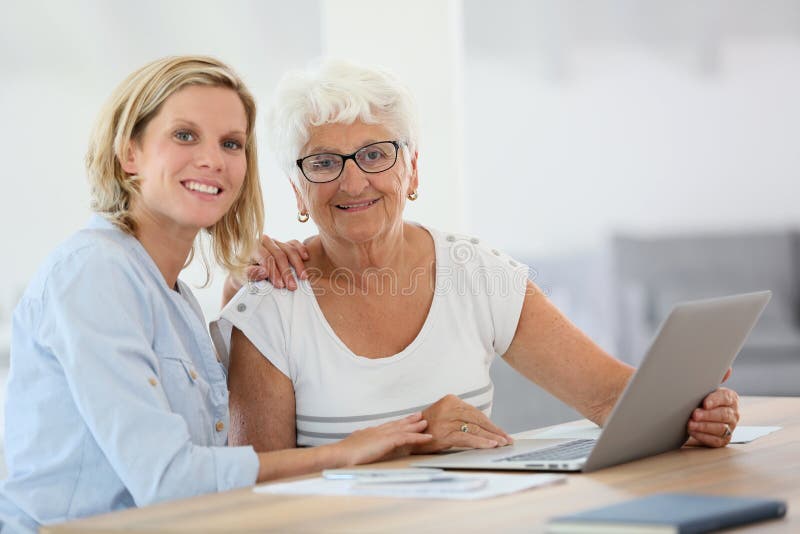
(650, 416)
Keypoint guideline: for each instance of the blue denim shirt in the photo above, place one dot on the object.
(115, 395)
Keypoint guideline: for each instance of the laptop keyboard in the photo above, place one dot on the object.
(571, 450)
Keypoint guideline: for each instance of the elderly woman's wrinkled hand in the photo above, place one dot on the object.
(455, 423)
(712, 424)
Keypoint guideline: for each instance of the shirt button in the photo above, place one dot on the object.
(193, 374)
(241, 307)
(495, 252)
(474, 240)
(512, 263)
(220, 426)
(451, 238)
(153, 382)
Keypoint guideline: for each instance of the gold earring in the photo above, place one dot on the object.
(412, 196)
(302, 217)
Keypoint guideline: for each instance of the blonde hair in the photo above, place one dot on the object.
(123, 119)
(337, 91)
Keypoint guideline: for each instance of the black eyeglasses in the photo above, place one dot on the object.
(373, 158)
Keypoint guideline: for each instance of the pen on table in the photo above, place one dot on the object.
(386, 475)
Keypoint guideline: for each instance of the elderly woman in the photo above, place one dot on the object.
(395, 316)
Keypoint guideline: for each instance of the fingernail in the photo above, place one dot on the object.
(493, 443)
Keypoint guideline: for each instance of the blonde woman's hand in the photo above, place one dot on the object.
(382, 442)
(272, 261)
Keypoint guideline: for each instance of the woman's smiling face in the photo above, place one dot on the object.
(190, 160)
(357, 206)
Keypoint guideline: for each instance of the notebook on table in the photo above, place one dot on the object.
(678, 513)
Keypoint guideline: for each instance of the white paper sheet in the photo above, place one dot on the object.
(741, 434)
(497, 484)
(746, 434)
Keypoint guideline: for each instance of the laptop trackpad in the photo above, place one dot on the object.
(484, 456)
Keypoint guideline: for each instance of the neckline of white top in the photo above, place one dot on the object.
(411, 347)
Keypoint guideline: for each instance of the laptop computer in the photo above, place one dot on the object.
(686, 361)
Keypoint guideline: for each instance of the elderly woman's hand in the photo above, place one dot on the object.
(272, 261)
(712, 425)
(455, 423)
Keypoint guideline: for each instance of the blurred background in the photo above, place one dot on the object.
(634, 153)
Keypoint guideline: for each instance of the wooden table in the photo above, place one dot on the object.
(767, 467)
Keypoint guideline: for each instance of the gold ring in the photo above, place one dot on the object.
(727, 432)
(465, 427)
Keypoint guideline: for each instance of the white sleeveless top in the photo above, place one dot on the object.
(473, 316)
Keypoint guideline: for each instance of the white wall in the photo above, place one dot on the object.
(587, 117)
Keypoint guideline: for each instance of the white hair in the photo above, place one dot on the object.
(337, 91)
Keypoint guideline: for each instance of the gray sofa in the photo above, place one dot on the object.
(652, 274)
(620, 295)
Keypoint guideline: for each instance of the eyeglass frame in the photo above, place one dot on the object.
(345, 157)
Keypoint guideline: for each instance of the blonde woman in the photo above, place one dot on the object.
(115, 397)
